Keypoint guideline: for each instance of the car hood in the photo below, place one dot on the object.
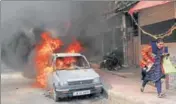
(76, 75)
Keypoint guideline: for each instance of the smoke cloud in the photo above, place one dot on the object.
(22, 23)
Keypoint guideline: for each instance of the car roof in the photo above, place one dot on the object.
(66, 54)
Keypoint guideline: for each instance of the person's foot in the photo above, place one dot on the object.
(161, 95)
(142, 89)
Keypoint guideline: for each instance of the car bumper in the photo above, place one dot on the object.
(61, 93)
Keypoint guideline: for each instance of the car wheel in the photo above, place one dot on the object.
(98, 94)
(55, 97)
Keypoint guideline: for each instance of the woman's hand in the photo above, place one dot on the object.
(149, 66)
(165, 54)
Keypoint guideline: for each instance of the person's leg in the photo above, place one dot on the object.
(143, 85)
(158, 85)
(143, 74)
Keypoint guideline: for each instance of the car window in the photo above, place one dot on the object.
(71, 63)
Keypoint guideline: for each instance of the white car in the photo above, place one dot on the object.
(80, 80)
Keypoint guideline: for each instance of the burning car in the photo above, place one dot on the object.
(73, 76)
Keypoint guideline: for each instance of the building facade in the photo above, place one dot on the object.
(156, 20)
(122, 28)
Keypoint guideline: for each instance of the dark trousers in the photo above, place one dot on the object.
(143, 73)
(144, 83)
(158, 85)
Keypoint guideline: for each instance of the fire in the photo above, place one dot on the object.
(59, 64)
(44, 50)
(75, 47)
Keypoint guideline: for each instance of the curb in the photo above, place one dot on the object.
(11, 76)
(106, 88)
(114, 73)
(120, 98)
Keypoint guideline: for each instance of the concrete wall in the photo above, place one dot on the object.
(157, 20)
(172, 77)
(175, 8)
(157, 14)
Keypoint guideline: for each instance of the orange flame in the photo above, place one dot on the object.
(75, 47)
(44, 51)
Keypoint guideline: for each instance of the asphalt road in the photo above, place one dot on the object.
(19, 91)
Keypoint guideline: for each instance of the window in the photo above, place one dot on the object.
(76, 62)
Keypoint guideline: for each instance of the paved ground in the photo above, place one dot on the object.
(19, 91)
(126, 88)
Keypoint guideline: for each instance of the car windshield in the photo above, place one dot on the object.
(71, 63)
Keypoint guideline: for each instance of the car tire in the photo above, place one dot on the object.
(55, 97)
(98, 94)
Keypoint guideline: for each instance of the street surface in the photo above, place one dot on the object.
(122, 86)
(19, 91)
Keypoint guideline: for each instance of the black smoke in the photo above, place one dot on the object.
(15, 52)
(23, 23)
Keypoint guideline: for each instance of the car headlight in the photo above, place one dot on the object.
(63, 83)
(96, 80)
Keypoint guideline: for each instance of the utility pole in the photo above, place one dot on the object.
(124, 40)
